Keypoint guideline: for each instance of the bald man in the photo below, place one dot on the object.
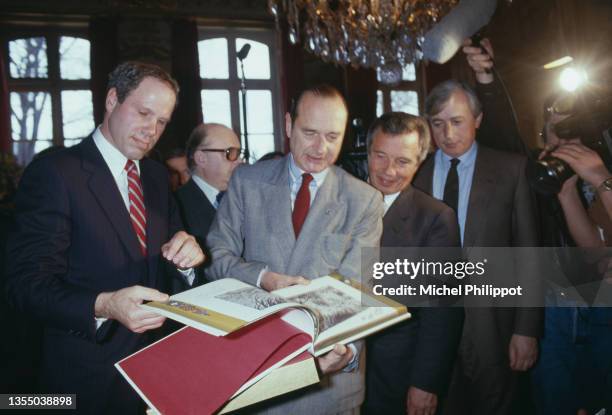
(213, 152)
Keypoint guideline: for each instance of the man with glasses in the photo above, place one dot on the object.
(213, 152)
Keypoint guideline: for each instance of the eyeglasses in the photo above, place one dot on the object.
(231, 153)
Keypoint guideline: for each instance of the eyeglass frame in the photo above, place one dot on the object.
(241, 152)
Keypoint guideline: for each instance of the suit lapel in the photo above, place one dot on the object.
(104, 188)
(197, 211)
(481, 193)
(423, 180)
(323, 210)
(154, 221)
(324, 207)
(394, 221)
(206, 210)
(277, 197)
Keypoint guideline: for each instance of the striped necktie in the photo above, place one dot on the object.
(138, 213)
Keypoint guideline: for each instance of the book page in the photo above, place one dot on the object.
(220, 307)
(342, 310)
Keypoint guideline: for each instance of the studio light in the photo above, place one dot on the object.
(571, 79)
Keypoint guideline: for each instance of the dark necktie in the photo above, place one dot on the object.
(302, 204)
(138, 213)
(451, 188)
(218, 199)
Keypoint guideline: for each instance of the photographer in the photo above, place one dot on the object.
(573, 373)
(589, 167)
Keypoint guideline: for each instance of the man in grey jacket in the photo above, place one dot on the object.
(286, 221)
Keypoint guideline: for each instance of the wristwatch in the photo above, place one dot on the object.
(606, 185)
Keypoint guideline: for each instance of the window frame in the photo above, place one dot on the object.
(53, 83)
(418, 86)
(262, 34)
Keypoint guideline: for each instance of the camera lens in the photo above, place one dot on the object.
(547, 176)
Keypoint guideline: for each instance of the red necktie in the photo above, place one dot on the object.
(302, 204)
(138, 213)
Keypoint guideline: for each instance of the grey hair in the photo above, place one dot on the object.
(442, 92)
(397, 123)
(320, 91)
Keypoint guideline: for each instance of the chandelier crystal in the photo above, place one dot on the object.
(381, 34)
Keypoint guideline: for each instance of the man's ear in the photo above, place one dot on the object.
(111, 99)
(478, 120)
(199, 158)
(288, 124)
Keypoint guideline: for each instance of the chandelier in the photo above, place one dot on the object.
(381, 34)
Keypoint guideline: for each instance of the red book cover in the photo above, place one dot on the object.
(192, 372)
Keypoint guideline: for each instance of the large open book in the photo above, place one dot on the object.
(330, 310)
(193, 372)
(296, 374)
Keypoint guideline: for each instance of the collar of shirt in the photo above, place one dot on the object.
(115, 160)
(389, 199)
(295, 180)
(209, 191)
(467, 159)
(465, 171)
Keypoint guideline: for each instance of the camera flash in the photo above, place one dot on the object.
(571, 79)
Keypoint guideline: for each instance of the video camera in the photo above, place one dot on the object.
(590, 120)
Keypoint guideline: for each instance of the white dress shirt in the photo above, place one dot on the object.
(209, 191)
(389, 199)
(465, 172)
(115, 160)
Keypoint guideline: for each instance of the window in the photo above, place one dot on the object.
(402, 97)
(220, 72)
(49, 92)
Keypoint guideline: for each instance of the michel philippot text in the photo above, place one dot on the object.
(404, 268)
(486, 290)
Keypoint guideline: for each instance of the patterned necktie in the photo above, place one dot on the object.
(451, 188)
(302, 204)
(138, 213)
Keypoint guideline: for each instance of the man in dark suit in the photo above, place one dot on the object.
(494, 206)
(213, 152)
(94, 225)
(409, 365)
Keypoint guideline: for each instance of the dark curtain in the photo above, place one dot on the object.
(436, 73)
(361, 86)
(186, 70)
(103, 38)
(291, 74)
(5, 126)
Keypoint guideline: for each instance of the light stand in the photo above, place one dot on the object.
(241, 55)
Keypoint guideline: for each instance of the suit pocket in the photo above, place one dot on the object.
(334, 248)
